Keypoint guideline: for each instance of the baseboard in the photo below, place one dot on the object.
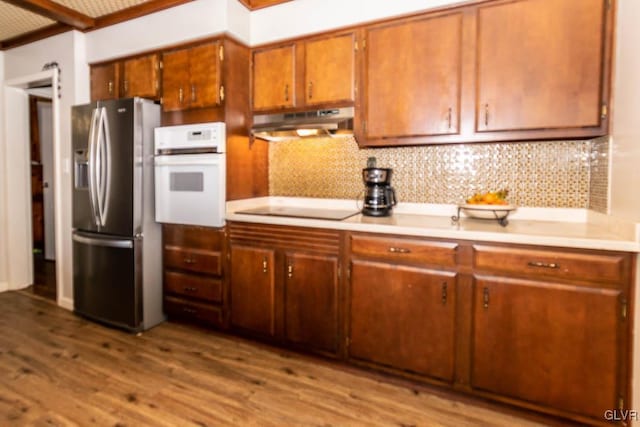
(4, 286)
(66, 303)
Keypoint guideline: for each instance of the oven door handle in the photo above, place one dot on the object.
(190, 160)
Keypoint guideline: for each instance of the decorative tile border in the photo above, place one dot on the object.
(599, 175)
(537, 174)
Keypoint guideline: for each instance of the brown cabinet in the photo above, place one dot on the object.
(252, 284)
(550, 327)
(492, 71)
(284, 284)
(325, 75)
(193, 273)
(411, 83)
(540, 73)
(141, 77)
(191, 77)
(402, 312)
(274, 78)
(105, 81)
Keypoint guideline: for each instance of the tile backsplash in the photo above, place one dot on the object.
(537, 174)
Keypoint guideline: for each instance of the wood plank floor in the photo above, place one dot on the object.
(58, 369)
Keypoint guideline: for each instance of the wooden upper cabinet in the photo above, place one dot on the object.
(329, 69)
(273, 78)
(105, 81)
(412, 79)
(191, 77)
(540, 64)
(142, 77)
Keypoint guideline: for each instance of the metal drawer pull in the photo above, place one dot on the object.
(264, 265)
(189, 261)
(190, 289)
(543, 264)
(485, 298)
(444, 293)
(290, 271)
(399, 250)
(189, 310)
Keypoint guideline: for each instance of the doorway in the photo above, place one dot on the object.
(42, 206)
(17, 247)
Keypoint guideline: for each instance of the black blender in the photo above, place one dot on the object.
(379, 196)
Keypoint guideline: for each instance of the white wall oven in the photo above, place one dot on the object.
(190, 174)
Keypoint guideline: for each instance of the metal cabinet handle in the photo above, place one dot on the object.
(485, 298)
(486, 115)
(444, 293)
(290, 271)
(264, 264)
(221, 93)
(399, 250)
(110, 86)
(193, 93)
(543, 264)
(449, 119)
(126, 86)
(180, 95)
(190, 289)
(189, 260)
(189, 310)
(286, 93)
(310, 90)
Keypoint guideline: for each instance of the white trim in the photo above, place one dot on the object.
(23, 83)
(65, 302)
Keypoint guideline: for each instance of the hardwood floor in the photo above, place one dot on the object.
(58, 369)
(44, 277)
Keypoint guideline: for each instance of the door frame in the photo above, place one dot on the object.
(19, 251)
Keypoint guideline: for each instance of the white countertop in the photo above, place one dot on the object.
(575, 228)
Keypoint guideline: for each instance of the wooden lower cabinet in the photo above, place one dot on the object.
(284, 284)
(311, 300)
(253, 289)
(193, 274)
(552, 344)
(403, 317)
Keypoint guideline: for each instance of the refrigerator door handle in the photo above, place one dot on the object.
(111, 243)
(104, 173)
(91, 167)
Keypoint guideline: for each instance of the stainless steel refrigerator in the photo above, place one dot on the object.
(117, 245)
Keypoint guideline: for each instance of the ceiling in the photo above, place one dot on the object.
(24, 21)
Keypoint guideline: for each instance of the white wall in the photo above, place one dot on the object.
(3, 181)
(190, 21)
(625, 173)
(300, 17)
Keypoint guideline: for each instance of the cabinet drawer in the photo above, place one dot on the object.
(197, 260)
(201, 287)
(546, 263)
(440, 253)
(192, 236)
(193, 311)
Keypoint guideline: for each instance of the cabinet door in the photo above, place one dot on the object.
(550, 344)
(253, 289)
(273, 78)
(204, 67)
(311, 300)
(403, 317)
(104, 81)
(412, 78)
(175, 80)
(539, 64)
(329, 70)
(141, 77)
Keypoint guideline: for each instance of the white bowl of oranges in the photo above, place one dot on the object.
(488, 205)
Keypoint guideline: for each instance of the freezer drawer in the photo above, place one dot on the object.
(107, 279)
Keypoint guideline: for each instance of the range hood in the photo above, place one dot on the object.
(305, 124)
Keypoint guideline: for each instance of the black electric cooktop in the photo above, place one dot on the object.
(297, 212)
